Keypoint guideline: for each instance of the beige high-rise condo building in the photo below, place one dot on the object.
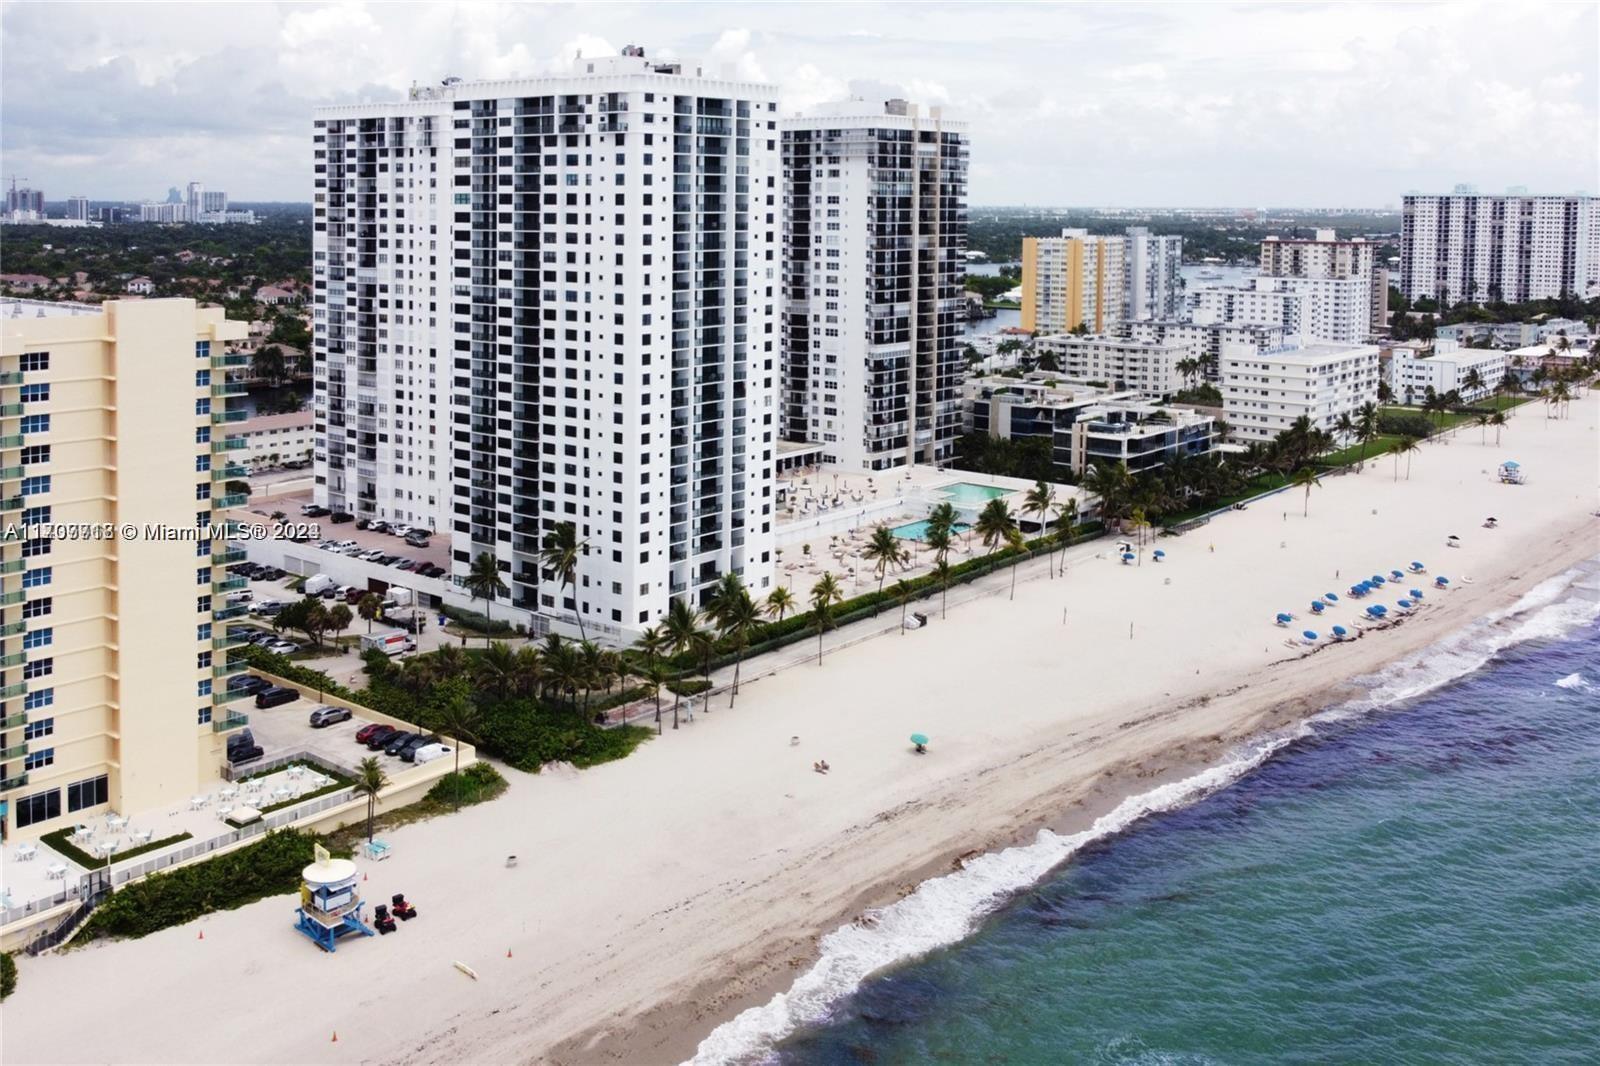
(113, 439)
(1325, 256)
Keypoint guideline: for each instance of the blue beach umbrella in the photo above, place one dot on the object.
(1284, 617)
(1316, 606)
(1416, 594)
(1403, 604)
(1378, 579)
(1339, 632)
(1309, 635)
(1417, 566)
(1127, 557)
(1159, 554)
(1441, 581)
(1397, 575)
(1375, 611)
(1330, 597)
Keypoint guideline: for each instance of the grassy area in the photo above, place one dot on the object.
(1451, 419)
(59, 841)
(1347, 456)
(1002, 305)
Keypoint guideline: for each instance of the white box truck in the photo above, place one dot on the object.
(317, 583)
(391, 643)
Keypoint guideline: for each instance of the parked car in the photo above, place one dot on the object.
(248, 683)
(417, 538)
(274, 696)
(242, 747)
(399, 529)
(406, 564)
(379, 526)
(409, 752)
(339, 517)
(396, 743)
(429, 752)
(328, 716)
(271, 573)
(282, 647)
(368, 731)
(312, 510)
(386, 560)
(380, 736)
(266, 607)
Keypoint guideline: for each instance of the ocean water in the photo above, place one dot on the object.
(1412, 877)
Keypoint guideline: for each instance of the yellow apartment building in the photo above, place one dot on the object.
(1076, 279)
(113, 456)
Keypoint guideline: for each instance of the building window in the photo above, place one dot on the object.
(39, 807)
(204, 716)
(36, 485)
(37, 608)
(91, 792)
(36, 424)
(202, 604)
(35, 578)
(202, 491)
(202, 435)
(38, 668)
(202, 660)
(202, 687)
(202, 378)
(36, 759)
(202, 406)
(44, 697)
(35, 393)
(32, 361)
(42, 728)
(202, 349)
(36, 453)
(202, 462)
(36, 547)
(202, 631)
(38, 638)
(36, 516)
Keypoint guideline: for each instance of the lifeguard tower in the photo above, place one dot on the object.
(330, 901)
(1511, 473)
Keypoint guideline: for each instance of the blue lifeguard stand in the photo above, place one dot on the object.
(330, 901)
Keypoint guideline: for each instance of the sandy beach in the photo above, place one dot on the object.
(659, 896)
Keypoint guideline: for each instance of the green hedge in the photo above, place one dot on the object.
(479, 623)
(8, 975)
(303, 676)
(269, 867)
(1405, 424)
(479, 782)
(60, 842)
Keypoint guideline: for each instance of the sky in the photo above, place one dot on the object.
(1127, 104)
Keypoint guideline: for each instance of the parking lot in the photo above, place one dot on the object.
(286, 730)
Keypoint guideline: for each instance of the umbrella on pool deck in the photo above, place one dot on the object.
(1452, 537)
(1339, 632)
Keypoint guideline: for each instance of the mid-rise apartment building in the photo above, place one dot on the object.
(1336, 310)
(112, 616)
(1147, 367)
(1140, 436)
(1205, 341)
(1325, 256)
(1264, 393)
(875, 235)
(1083, 281)
(551, 300)
(1511, 248)
(1446, 367)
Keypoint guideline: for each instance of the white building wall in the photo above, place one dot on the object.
(1264, 393)
(1486, 248)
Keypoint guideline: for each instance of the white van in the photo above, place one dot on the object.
(391, 643)
(430, 752)
(316, 583)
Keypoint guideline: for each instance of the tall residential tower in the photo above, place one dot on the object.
(550, 300)
(875, 236)
(1489, 249)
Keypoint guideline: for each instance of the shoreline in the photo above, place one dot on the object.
(659, 895)
(1064, 810)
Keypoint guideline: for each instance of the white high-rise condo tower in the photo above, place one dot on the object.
(549, 300)
(1489, 249)
(875, 237)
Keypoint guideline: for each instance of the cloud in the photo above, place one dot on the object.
(1085, 103)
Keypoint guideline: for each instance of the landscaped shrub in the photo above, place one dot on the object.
(1404, 424)
(8, 975)
(478, 782)
(59, 841)
(268, 867)
(303, 676)
(478, 623)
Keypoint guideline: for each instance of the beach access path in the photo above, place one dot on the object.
(657, 896)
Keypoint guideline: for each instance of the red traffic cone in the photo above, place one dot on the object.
(335, 1039)
(508, 953)
(363, 877)
(202, 935)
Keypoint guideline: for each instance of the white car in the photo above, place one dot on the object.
(369, 556)
(400, 530)
(283, 647)
(430, 752)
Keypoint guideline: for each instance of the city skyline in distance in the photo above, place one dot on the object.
(1346, 106)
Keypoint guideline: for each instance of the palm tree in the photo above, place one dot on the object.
(496, 667)
(942, 517)
(997, 528)
(369, 607)
(1473, 381)
(1039, 500)
(1408, 447)
(1482, 422)
(458, 719)
(824, 594)
(655, 675)
(560, 552)
(1110, 482)
(1306, 478)
(370, 780)
(780, 601)
(1066, 522)
(681, 626)
(729, 588)
(591, 662)
(1497, 420)
(741, 621)
(883, 550)
(940, 540)
(1019, 547)
(450, 662)
(903, 591)
(1366, 429)
(1345, 427)
(483, 581)
(941, 574)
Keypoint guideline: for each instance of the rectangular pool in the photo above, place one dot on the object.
(969, 492)
(919, 530)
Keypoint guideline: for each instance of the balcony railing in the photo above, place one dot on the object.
(11, 377)
(225, 556)
(13, 691)
(14, 659)
(12, 566)
(12, 441)
(9, 783)
(12, 503)
(232, 720)
(222, 503)
(220, 417)
(11, 629)
(229, 444)
(227, 641)
(229, 359)
(13, 721)
(230, 472)
(228, 584)
(9, 598)
(232, 666)
(16, 751)
(11, 410)
(237, 610)
(10, 473)
(221, 696)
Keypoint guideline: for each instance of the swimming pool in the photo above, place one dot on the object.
(919, 530)
(970, 492)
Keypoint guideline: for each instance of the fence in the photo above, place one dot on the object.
(278, 762)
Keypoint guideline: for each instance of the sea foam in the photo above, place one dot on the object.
(946, 909)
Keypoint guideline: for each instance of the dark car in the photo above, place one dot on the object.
(397, 742)
(386, 560)
(366, 732)
(271, 573)
(328, 716)
(379, 526)
(242, 747)
(339, 517)
(380, 737)
(248, 683)
(409, 752)
(274, 696)
(314, 511)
